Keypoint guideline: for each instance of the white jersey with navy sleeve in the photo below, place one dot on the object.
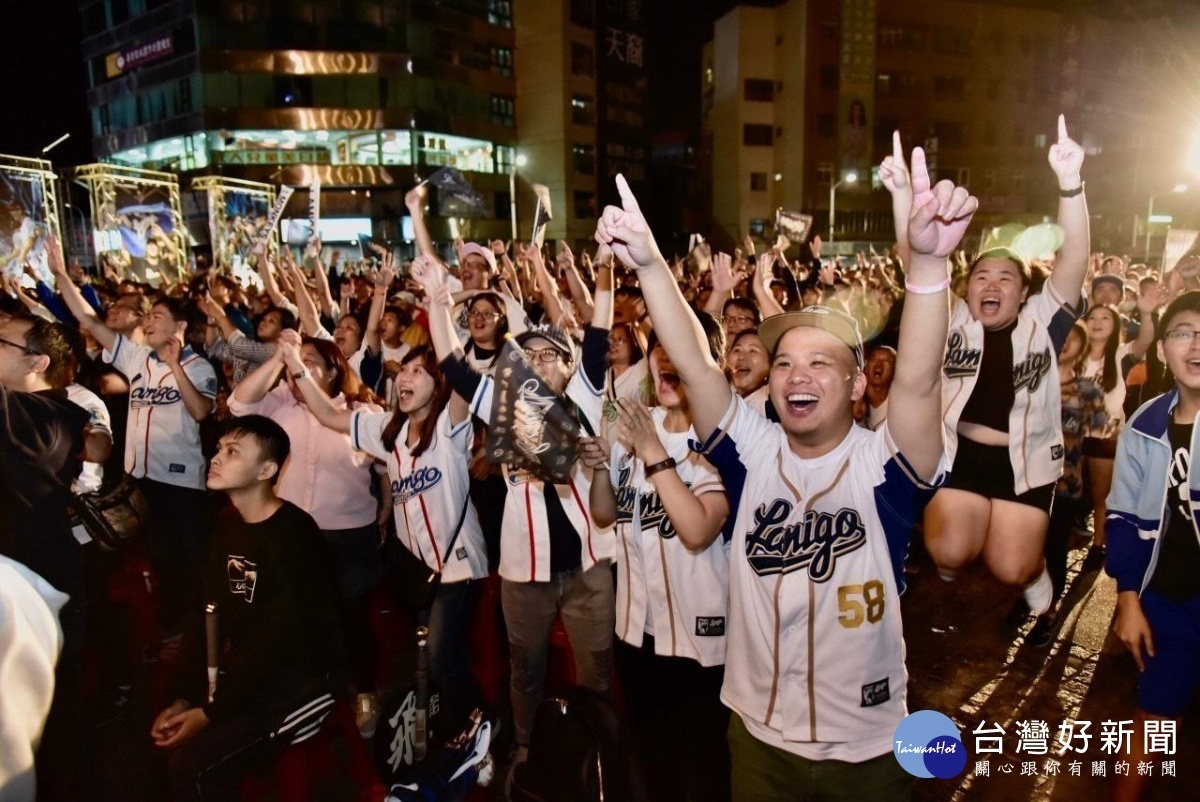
(162, 440)
(525, 531)
(679, 596)
(815, 653)
(429, 493)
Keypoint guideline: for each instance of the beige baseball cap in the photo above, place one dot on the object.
(839, 324)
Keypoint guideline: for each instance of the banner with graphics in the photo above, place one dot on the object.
(24, 224)
(856, 88)
(146, 223)
(531, 425)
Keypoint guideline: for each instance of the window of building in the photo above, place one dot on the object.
(583, 110)
(951, 134)
(828, 78)
(756, 135)
(825, 173)
(500, 12)
(118, 11)
(952, 41)
(964, 177)
(1039, 141)
(502, 60)
(829, 30)
(583, 60)
(506, 157)
(758, 182)
(503, 205)
(585, 205)
(292, 90)
(758, 90)
(583, 13)
(988, 183)
(1018, 183)
(826, 126)
(504, 110)
(884, 86)
(583, 156)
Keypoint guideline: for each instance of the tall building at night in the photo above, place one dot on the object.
(798, 96)
(362, 96)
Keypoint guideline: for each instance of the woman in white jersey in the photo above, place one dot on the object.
(669, 505)
(425, 442)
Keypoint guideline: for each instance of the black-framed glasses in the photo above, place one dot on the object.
(19, 347)
(1181, 335)
(482, 314)
(543, 355)
(741, 320)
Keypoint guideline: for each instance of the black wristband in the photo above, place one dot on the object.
(659, 467)
(1070, 193)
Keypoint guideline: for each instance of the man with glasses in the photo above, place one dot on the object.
(41, 437)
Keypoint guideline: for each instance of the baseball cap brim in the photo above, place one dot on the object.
(840, 325)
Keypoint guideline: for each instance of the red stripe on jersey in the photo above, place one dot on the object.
(586, 520)
(428, 527)
(149, 411)
(532, 544)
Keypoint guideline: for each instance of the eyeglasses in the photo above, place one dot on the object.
(543, 355)
(482, 314)
(19, 347)
(1181, 335)
(741, 320)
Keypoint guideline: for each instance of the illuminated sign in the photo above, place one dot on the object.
(262, 156)
(136, 56)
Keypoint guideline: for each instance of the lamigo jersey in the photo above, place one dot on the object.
(162, 440)
(664, 589)
(815, 654)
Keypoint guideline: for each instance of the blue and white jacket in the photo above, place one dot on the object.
(1137, 503)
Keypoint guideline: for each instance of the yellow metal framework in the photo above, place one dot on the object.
(104, 180)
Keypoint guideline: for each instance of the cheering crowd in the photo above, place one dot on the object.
(758, 439)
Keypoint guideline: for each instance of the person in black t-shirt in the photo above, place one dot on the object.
(282, 665)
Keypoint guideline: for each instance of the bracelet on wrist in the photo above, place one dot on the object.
(1071, 193)
(302, 374)
(659, 467)
(927, 289)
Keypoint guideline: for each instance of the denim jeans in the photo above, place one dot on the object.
(585, 601)
(449, 622)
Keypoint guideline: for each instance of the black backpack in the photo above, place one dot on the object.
(577, 753)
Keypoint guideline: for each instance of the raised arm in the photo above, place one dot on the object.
(763, 274)
(724, 280)
(268, 278)
(310, 319)
(383, 280)
(256, 384)
(552, 302)
(325, 294)
(937, 220)
(625, 231)
(1070, 268)
(1153, 297)
(198, 405)
(579, 291)
(415, 201)
(80, 308)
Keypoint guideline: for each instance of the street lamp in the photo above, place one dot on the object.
(520, 161)
(851, 177)
(1177, 189)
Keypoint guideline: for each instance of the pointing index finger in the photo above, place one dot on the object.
(897, 148)
(628, 201)
(1062, 128)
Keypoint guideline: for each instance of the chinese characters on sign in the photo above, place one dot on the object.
(1071, 739)
(624, 47)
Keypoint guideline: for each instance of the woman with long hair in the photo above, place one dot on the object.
(627, 375)
(1106, 362)
(425, 442)
(331, 482)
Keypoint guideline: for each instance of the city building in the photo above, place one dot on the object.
(802, 98)
(365, 97)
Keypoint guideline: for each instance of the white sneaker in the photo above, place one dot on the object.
(366, 715)
(1039, 594)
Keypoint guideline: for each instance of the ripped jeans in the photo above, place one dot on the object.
(584, 599)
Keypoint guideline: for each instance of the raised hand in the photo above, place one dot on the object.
(594, 452)
(724, 277)
(626, 231)
(291, 355)
(1153, 296)
(291, 337)
(893, 172)
(1066, 157)
(414, 199)
(638, 432)
(940, 214)
(170, 351)
(428, 272)
(815, 246)
(765, 269)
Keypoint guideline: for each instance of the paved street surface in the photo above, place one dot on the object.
(965, 662)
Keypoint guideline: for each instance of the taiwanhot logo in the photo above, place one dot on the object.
(928, 744)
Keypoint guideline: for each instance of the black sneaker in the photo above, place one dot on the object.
(1043, 631)
(1094, 561)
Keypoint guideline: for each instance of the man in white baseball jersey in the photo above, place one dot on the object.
(823, 514)
(171, 389)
